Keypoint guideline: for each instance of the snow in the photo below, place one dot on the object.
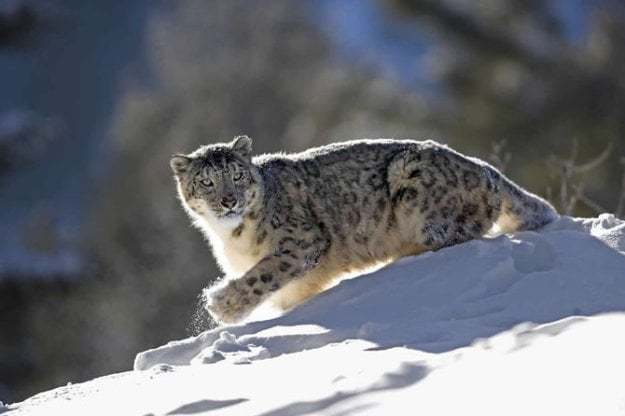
(529, 323)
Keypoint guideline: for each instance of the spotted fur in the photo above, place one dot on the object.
(299, 221)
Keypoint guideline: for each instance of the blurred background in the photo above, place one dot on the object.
(97, 259)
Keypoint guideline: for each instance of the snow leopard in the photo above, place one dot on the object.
(286, 226)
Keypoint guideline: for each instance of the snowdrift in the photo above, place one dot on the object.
(525, 323)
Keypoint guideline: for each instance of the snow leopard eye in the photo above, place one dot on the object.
(238, 176)
(206, 182)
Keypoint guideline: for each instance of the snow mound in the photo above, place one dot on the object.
(529, 323)
(441, 300)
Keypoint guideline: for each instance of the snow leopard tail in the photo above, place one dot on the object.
(520, 209)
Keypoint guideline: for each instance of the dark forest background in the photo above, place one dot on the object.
(98, 261)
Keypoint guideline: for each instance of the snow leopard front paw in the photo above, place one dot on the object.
(228, 302)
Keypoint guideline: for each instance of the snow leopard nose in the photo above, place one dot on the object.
(229, 201)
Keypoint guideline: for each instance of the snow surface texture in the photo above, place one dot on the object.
(530, 323)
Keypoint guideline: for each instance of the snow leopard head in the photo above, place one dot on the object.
(218, 181)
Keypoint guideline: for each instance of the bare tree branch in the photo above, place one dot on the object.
(596, 161)
(592, 204)
(498, 157)
(568, 169)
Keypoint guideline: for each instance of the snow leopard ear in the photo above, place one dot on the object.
(243, 146)
(180, 164)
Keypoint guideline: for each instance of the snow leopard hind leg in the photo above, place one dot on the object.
(442, 198)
